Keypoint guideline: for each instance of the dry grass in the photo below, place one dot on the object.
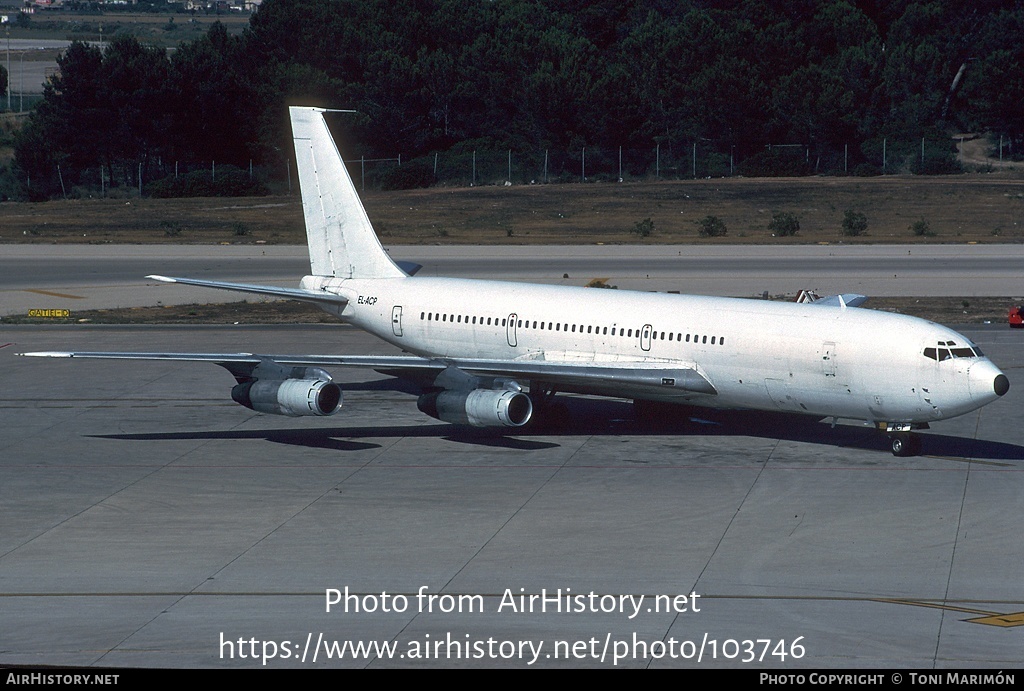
(984, 208)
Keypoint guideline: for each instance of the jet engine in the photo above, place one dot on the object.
(313, 394)
(478, 408)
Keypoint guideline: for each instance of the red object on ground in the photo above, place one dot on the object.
(1016, 317)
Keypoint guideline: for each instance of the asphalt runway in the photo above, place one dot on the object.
(78, 277)
(148, 521)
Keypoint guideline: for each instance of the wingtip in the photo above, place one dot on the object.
(164, 279)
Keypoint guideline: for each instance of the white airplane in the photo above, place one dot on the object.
(493, 354)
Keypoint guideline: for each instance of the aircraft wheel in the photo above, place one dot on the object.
(559, 416)
(905, 444)
(660, 416)
(550, 417)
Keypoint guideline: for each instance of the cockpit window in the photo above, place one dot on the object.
(947, 353)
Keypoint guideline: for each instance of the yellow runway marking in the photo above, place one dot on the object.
(56, 295)
(1007, 620)
(989, 617)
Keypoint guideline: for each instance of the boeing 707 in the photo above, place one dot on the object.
(494, 354)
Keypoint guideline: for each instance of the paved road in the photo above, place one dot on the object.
(147, 521)
(88, 276)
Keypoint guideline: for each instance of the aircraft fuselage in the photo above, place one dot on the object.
(843, 362)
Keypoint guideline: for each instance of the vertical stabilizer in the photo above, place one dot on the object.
(342, 242)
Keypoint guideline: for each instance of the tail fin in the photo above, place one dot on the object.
(341, 239)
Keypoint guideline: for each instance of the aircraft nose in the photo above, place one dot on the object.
(987, 382)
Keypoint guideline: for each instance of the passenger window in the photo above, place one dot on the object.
(721, 341)
(712, 340)
(705, 340)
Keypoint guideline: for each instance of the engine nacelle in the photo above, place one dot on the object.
(292, 397)
(478, 408)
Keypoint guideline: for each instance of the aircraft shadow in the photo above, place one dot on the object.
(598, 417)
(792, 427)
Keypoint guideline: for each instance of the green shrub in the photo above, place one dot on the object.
(229, 181)
(784, 224)
(711, 227)
(921, 228)
(643, 228)
(854, 223)
(411, 175)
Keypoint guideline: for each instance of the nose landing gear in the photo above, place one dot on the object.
(905, 444)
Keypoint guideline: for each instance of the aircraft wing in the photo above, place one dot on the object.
(583, 376)
(273, 291)
(844, 300)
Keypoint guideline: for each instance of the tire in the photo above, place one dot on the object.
(905, 445)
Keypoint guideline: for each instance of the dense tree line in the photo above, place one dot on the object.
(836, 76)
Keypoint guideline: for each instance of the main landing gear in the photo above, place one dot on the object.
(548, 415)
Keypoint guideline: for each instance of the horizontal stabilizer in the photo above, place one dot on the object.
(272, 291)
(410, 268)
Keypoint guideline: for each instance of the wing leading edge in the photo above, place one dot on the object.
(604, 378)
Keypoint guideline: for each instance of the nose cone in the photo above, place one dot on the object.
(987, 383)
